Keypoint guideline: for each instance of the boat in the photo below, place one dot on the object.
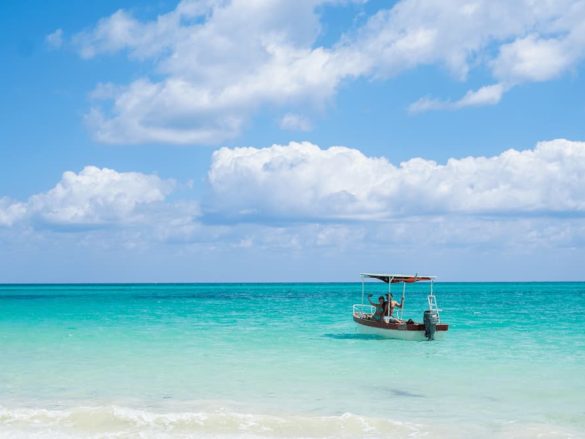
(392, 325)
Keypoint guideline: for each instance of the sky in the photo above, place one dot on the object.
(278, 140)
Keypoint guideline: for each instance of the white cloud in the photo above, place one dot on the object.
(10, 211)
(55, 39)
(301, 202)
(219, 61)
(488, 95)
(536, 59)
(415, 232)
(116, 32)
(459, 33)
(92, 197)
(295, 122)
(98, 196)
(539, 189)
(303, 181)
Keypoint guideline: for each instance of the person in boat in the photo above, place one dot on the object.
(380, 307)
(389, 306)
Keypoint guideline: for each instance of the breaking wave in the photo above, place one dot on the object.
(121, 422)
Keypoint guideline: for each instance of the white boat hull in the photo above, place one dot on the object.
(397, 333)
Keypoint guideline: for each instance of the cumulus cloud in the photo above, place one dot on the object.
(217, 62)
(92, 197)
(10, 211)
(461, 35)
(299, 198)
(304, 181)
(533, 59)
(98, 196)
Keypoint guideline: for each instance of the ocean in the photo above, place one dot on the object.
(285, 360)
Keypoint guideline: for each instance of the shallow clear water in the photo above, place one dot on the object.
(284, 360)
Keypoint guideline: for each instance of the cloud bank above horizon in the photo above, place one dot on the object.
(344, 184)
(297, 195)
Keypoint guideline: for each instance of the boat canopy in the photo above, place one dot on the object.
(397, 278)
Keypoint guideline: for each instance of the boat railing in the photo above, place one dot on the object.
(363, 310)
(433, 306)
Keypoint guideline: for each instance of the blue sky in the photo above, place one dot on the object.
(456, 126)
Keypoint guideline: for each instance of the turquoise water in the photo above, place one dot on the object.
(284, 360)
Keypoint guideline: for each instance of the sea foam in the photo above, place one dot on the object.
(123, 422)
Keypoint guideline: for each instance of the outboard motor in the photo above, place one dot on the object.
(430, 320)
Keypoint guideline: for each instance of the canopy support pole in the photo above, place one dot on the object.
(389, 292)
(402, 300)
